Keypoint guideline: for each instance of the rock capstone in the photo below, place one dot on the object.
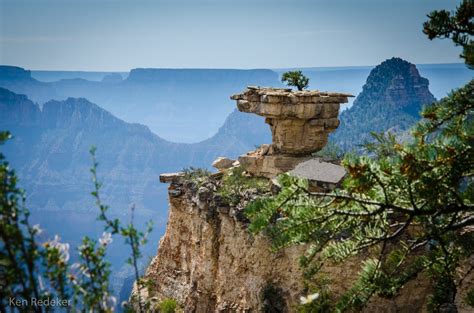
(300, 122)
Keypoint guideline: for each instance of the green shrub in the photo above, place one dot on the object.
(196, 175)
(168, 305)
(235, 183)
(469, 299)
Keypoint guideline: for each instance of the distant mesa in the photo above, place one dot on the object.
(14, 73)
(112, 78)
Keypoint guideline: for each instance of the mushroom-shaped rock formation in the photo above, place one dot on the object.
(300, 122)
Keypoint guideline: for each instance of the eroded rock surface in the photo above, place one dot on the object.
(209, 262)
(300, 120)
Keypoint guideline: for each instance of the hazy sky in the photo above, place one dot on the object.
(117, 35)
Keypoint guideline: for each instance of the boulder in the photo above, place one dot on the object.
(223, 163)
(319, 171)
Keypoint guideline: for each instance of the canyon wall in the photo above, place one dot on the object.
(209, 262)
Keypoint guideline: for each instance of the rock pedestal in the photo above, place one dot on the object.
(300, 122)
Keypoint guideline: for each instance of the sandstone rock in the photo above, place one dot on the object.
(269, 165)
(170, 177)
(216, 265)
(223, 163)
(203, 194)
(292, 115)
(174, 193)
(320, 171)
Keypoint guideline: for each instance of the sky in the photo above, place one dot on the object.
(118, 35)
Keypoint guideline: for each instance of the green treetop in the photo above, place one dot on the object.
(296, 79)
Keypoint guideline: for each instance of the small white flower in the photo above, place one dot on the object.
(63, 248)
(309, 298)
(36, 229)
(105, 239)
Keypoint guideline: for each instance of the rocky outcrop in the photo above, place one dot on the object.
(300, 123)
(208, 261)
(300, 120)
(223, 163)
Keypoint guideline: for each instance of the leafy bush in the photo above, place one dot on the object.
(196, 175)
(33, 270)
(469, 299)
(235, 183)
(168, 306)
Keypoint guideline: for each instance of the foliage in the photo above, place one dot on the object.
(235, 183)
(458, 26)
(296, 79)
(410, 206)
(133, 237)
(196, 175)
(31, 270)
(318, 296)
(168, 306)
(470, 297)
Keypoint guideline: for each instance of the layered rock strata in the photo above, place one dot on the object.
(208, 261)
(300, 122)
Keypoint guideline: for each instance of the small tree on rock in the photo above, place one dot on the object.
(295, 78)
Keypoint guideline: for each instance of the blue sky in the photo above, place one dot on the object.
(117, 35)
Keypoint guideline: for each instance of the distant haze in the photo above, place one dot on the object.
(118, 35)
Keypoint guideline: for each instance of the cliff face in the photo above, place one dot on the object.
(209, 262)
